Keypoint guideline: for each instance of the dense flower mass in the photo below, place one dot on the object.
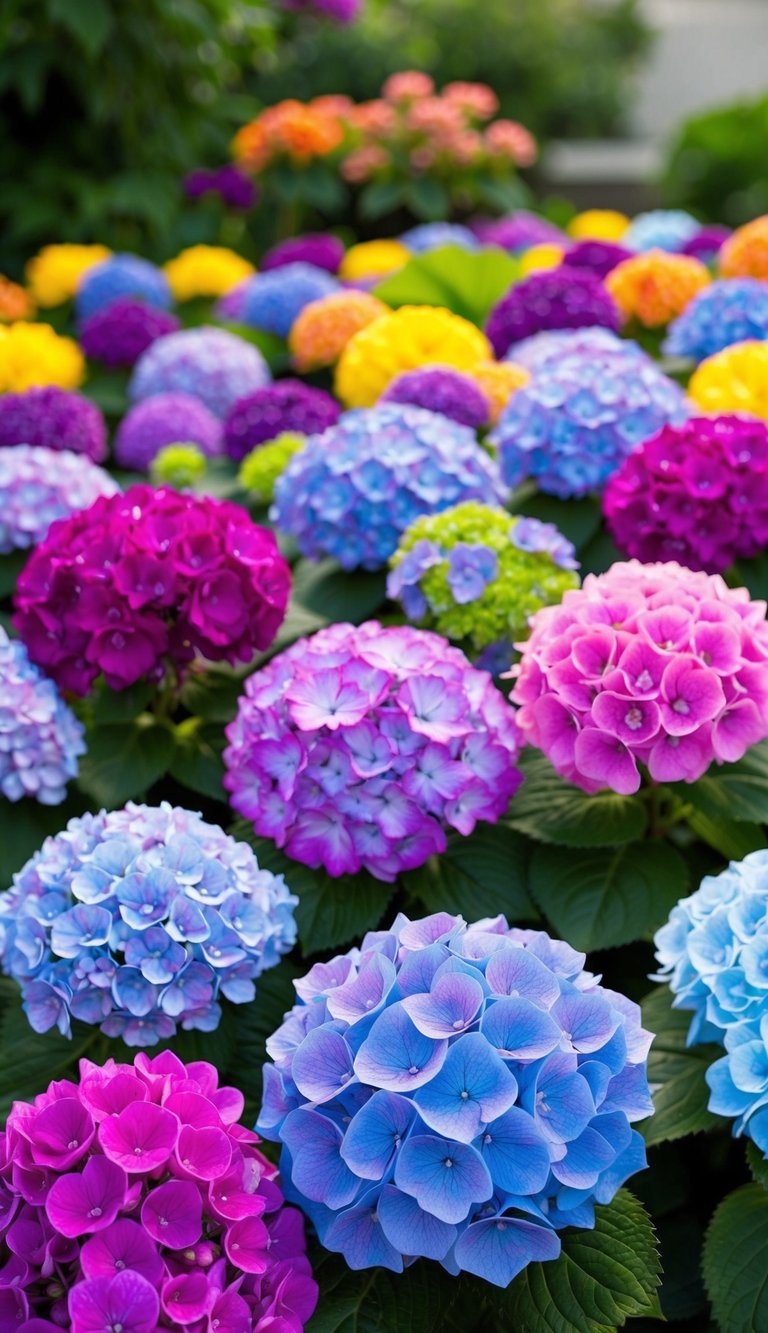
(321, 332)
(260, 470)
(540, 257)
(554, 344)
(40, 737)
(497, 381)
(121, 275)
(650, 664)
(655, 287)
(559, 298)
(53, 418)
(519, 231)
(178, 465)
(696, 493)
(434, 235)
(147, 578)
(660, 229)
(598, 224)
(205, 270)
(461, 1093)
(354, 489)
(33, 355)
(134, 1201)
(316, 248)
(579, 418)
(745, 253)
(15, 301)
(41, 485)
(357, 748)
(598, 256)
(141, 920)
(55, 271)
(403, 340)
(734, 380)
(118, 333)
(453, 393)
(271, 301)
(477, 574)
(731, 311)
(372, 259)
(212, 364)
(166, 418)
(287, 405)
(707, 242)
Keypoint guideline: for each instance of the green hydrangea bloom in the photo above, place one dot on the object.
(261, 468)
(178, 465)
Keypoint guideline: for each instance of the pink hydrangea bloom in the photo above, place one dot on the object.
(137, 1188)
(645, 664)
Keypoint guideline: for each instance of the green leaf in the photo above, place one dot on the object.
(378, 1301)
(10, 567)
(380, 197)
(732, 839)
(732, 791)
(30, 1060)
(478, 876)
(108, 392)
(735, 1261)
(89, 21)
(252, 1025)
(109, 706)
(578, 520)
(468, 284)
(605, 896)
(124, 760)
(24, 826)
(757, 1164)
(213, 694)
(676, 1073)
(197, 762)
(552, 810)
(427, 198)
(335, 594)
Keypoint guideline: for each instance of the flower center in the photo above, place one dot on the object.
(680, 706)
(464, 1095)
(634, 717)
(448, 1161)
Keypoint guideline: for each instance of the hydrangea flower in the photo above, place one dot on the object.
(319, 249)
(554, 344)
(234, 188)
(404, 340)
(373, 260)
(434, 235)
(165, 418)
(121, 275)
(521, 230)
(696, 493)
(452, 393)
(597, 256)
(645, 664)
(40, 737)
(40, 485)
(149, 579)
(213, 365)
(261, 468)
(118, 333)
(54, 272)
(598, 224)
(353, 490)
(358, 747)
(205, 271)
(745, 253)
(734, 380)
(579, 418)
(141, 921)
(559, 298)
(138, 1201)
(477, 574)
(320, 333)
(287, 405)
(660, 229)
(541, 257)
(34, 355)
(497, 381)
(655, 287)
(53, 418)
(706, 243)
(461, 1093)
(178, 465)
(732, 310)
(271, 301)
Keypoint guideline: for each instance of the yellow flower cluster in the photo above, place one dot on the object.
(206, 270)
(323, 328)
(745, 253)
(373, 259)
(734, 380)
(15, 301)
(598, 224)
(540, 257)
(655, 287)
(34, 354)
(403, 340)
(498, 380)
(55, 271)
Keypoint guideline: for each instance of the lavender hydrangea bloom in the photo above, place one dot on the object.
(287, 405)
(40, 737)
(121, 275)
(554, 344)
(40, 485)
(434, 235)
(353, 490)
(271, 301)
(441, 389)
(140, 921)
(729, 311)
(660, 229)
(211, 364)
(53, 418)
(118, 333)
(319, 249)
(557, 298)
(166, 418)
(519, 231)
(461, 1093)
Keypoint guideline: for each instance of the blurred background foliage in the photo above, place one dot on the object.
(717, 165)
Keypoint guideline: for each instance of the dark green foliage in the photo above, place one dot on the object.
(717, 165)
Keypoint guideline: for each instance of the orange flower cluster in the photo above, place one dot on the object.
(298, 130)
(745, 253)
(15, 302)
(655, 287)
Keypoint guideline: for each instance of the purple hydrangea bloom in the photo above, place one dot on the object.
(53, 418)
(166, 418)
(441, 389)
(353, 490)
(461, 1093)
(118, 333)
(140, 921)
(530, 534)
(557, 298)
(554, 344)
(288, 405)
(234, 187)
(571, 427)
(731, 310)
(519, 231)
(706, 243)
(211, 364)
(597, 256)
(121, 275)
(660, 229)
(271, 301)
(40, 485)
(319, 249)
(433, 235)
(40, 737)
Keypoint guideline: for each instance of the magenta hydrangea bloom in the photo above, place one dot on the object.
(697, 493)
(167, 418)
(441, 389)
(288, 405)
(41, 485)
(645, 664)
(557, 298)
(53, 418)
(133, 1200)
(145, 579)
(358, 747)
(317, 248)
(118, 333)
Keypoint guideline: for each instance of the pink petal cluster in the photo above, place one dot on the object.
(645, 664)
(356, 748)
(148, 578)
(134, 1200)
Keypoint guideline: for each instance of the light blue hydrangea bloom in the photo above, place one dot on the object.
(40, 737)
(729, 311)
(121, 275)
(660, 229)
(274, 299)
(212, 364)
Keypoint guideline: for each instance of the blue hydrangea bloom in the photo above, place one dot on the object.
(660, 229)
(456, 1092)
(552, 344)
(273, 300)
(580, 416)
(40, 737)
(353, 490)
(731, 310)
(433, 235)
(118, 276)
(140, 921)
(211, 364)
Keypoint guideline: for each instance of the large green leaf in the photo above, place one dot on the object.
(733, 838)
(197, 762)
(735, 1261)
(252, 1024)
(552, 810)
(29, 1060)
(733, 791)
(24, 826)
(124, 760)
(378, 1301)
(477, 876)
(469, 284)
(675, 1072)
(89, 21)
(605, 896)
